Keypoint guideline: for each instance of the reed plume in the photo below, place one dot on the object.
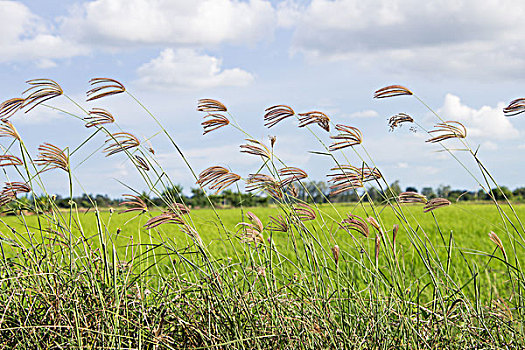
(290, 175)
(277, 113)
(256, 148)
(119, 142)
(316, 117)
(40, 91)
(141, 163)
(349, 177)
(253, 231)
(7, 129)
(348, 136)
(335, 254)
(515, 107)
(278, 224)
(494, 238)
(448, 130)
(411, 197)
(395, 230)
(10, 107)
(355, 223)
(209, 105)
(136, 203)
(52, 157)
(217, 178)
(391, 91)
(214, 122)
(435, 203)
(178, 208)
(14, 188)
(102, 87)
(98, 116)
(399, 119)
(265, 183)
(6, 199)
(304, 212)
(7, 160)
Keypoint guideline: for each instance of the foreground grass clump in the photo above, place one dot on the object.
(402, 272)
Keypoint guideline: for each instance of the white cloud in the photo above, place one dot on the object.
(27, 37)
(369, 113)
(168, 22)
(483, 123)
(187, 69)
(454, 36)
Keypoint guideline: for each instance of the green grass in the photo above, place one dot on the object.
(99, 279)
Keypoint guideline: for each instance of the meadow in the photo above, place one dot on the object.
(404, 272)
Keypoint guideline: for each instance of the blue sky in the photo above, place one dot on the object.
(463, 59)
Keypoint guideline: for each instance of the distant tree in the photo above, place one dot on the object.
(428, 192)
(443, 191)
(411, 189)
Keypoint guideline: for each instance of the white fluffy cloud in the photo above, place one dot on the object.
(483, 123)
(27, 37)
(411, 35)
(169, 22)
(187, 69)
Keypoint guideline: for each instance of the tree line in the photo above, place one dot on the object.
(310, 191)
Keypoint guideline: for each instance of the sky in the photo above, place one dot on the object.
(464, 60)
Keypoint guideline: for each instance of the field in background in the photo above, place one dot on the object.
(462, 227)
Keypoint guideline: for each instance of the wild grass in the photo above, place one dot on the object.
(402, 272)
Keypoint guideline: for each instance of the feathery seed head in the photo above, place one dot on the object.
(103, 87)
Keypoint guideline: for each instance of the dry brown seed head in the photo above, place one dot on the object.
(210, 105)
(395, 229)
(374, 223)
(7, 159)
(252, 232)
(103, 87)
(98, 116)
(316, 117)
(119, 142)
(398, 119)
(412, 197)
(494, 238)
(391, 91)
(304, 212)
(214, 122)
(141, 163)
(8, 130)
(217, 178)
(435, 203)
(40, 91)
(515, 107)
(265, 183)
(52, 157)
(447, 130)
(164, 218)
(272, 140)
(10, 107)
(290, 175)
(256, 148)
(277, 113)
(349, 136)
(6, 199)
(335, 253)
(14, 188)
(279, 224)
(355, 223)
(136, 203)
(179, 208)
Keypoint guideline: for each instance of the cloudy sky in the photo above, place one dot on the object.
(466, 61)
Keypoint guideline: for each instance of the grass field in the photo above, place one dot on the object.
(462, 228)
(292, 275)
